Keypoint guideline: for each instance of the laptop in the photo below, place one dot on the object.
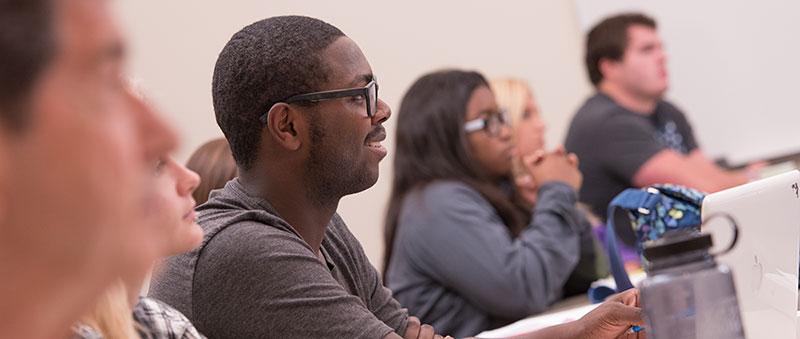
(765, 259)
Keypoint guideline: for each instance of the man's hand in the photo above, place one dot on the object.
(753, 171)
(415, 330)
(614, 317)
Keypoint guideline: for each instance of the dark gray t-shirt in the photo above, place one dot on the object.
(254, 277)
(456, 266)
(613, 142)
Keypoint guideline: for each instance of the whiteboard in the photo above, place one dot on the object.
(734, 69)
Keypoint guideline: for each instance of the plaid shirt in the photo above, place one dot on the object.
(154, 320)
(83, 331)
(158, 320)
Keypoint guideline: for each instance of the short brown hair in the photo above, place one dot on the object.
(214, 164)
(608, 40)
(27, 46)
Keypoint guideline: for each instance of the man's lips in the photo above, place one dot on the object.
(376, 136)
(373, 141)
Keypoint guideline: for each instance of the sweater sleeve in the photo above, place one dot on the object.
(455, 236)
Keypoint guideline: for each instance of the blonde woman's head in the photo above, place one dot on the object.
(515, 97)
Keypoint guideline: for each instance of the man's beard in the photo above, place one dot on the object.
(332, 174)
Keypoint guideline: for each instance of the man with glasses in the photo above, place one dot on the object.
(298, 103)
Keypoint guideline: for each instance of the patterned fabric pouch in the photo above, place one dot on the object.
(638, 216)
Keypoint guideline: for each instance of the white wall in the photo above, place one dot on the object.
(175, 44)
(733, 66)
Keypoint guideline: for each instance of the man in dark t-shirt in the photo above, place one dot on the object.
(614, 142)
(626, 134)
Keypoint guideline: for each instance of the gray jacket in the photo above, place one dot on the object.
(456, 266)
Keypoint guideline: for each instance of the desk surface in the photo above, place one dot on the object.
(568, 303)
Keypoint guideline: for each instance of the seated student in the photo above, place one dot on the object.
(461, 253)
(298, 103)
(76, 149)
(214, 163)
(277, 261)
(180, 234)
(515, 97)
(626, 134)
(112, 316)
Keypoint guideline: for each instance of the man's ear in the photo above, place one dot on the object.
(284, 124)
(608, 68)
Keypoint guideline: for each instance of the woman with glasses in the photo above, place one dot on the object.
(464, 251)
(514, 96)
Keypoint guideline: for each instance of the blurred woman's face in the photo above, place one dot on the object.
(175, 207)
(529, 130)
(492, 148)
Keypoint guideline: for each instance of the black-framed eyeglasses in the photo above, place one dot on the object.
(492, 123)
(368, 92)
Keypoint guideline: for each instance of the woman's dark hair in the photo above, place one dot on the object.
(431, 145)
(214, 164)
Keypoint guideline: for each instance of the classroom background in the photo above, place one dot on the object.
(732, 64)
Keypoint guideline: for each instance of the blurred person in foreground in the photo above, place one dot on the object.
(77, 150)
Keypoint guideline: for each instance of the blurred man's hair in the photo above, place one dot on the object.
(609, 39)
(27, 44)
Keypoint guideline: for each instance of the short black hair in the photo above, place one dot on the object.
(262, 64)
(609, 39)
(27, 44)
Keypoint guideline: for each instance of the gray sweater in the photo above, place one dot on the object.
(456, 266)
(253, 276)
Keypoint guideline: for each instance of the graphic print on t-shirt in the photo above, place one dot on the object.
(669, 135)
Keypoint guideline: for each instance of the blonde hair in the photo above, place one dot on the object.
(112, 316)
(511, 95)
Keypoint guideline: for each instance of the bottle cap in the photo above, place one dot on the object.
(677, 243)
